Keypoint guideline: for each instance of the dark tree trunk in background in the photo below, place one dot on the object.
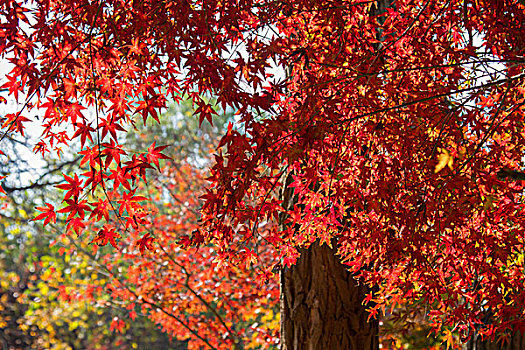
(322, 305)
(516, 342)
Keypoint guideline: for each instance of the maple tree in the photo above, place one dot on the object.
(395, 138)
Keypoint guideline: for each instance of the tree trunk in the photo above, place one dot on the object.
(322, 305)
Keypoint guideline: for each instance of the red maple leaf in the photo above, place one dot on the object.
(70, 88)
(154, 154)
(48, 214)
(84, 131)
(74, 207)
(74, 187)
(110, 126)
(146, 242)
(14, 122)
(205, 111)
(106, 235)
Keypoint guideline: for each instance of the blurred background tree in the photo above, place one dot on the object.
(59, 290)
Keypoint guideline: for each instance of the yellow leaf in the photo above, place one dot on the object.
(520, 259)
(73, 325)
(44, 289)
(444, 159)
(449, 339)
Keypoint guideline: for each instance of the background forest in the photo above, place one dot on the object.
(60, 292)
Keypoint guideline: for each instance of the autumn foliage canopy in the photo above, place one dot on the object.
(399, 136)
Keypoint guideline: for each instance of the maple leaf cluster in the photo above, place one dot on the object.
(388, 131)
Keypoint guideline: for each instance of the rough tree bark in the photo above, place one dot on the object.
(322, 305)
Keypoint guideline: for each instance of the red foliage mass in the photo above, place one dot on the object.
(392, 128)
